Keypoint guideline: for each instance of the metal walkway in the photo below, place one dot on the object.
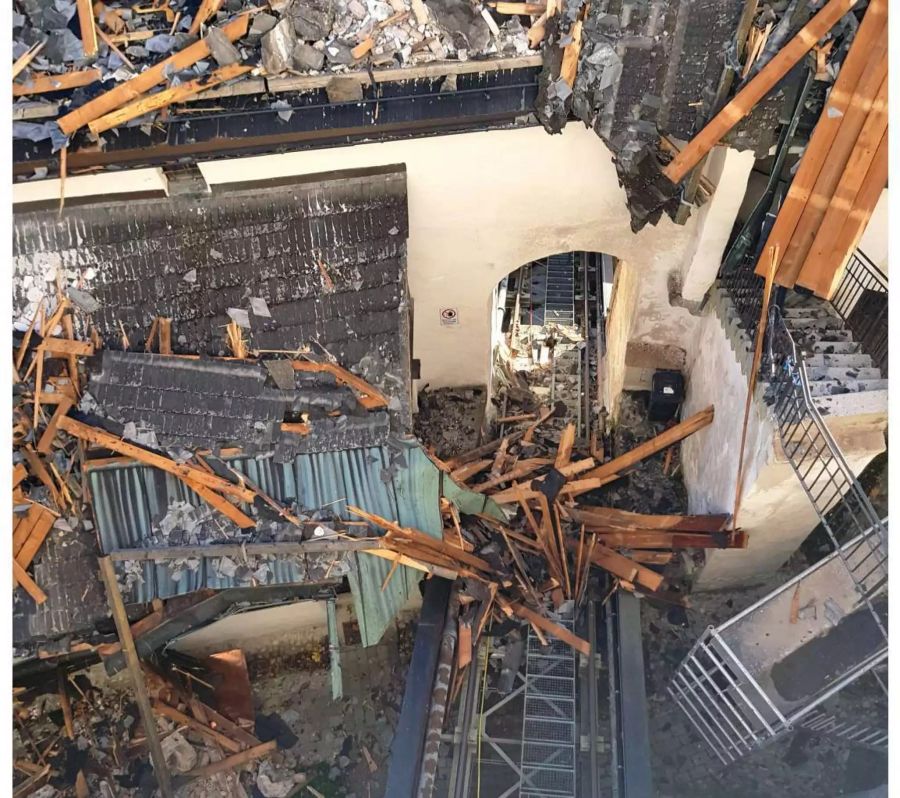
(549, 721)
(553, 290)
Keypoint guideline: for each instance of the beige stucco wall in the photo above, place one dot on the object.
(620, 319)
(483, 204)
(874, 241)
(774, 511)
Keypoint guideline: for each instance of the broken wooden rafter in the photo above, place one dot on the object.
(21, 578)
(146, 80)
(41, 84)
(87, 27)
(27, 57)
(369, 397)
(845, 98)
(166, 711)
(233, 761)
(465, 472)
(518, 8)
(161, 99)
(653, 539)
(757, 88)
(613, 519)
(106, 440)
(546, 625)
(618, 465)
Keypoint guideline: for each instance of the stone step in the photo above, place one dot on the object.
(804, 334)
(821, 311)
(831, 347)
(804, 323)
(852, 404)
(858, 360)
(836, 388)
(816, 373)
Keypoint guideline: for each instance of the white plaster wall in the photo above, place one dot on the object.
(774, 511)
(874, 241)
(126, 182)
(483, 204)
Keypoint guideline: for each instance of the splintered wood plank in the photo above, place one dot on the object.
(624, 568)
(526, 9)
(19, 473)
(843, 96)
(655, 445)
(27, 525)
(106, 440)
(87, 27)
(855, 224)
(25, 554)
(465, 472)
(569, 68)
(37, 468)
(819, 265)
(233, 761)
(162, 99)
(564, 451)
(146, 80)
(62, 408)
(651, 539)
(64, 347)
(220, 503)
(522, 469)
(550, 628)
(757, 88)
(27, 57)
(844, 144)
(21, 578)
(41, 84)
(479, 452)
(202, 729)
(369, 397)
(623, 520)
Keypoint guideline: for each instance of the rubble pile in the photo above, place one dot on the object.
(174, 51)
(528, 554)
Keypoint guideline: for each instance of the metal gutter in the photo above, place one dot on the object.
(628, 705)
(404, 768)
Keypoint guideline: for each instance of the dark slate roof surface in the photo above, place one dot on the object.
(326, 255)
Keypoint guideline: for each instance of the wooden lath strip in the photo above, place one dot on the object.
(106, 440)
(146, 80)
(369, 397)
(41, 84)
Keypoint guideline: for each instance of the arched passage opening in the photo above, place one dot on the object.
(549, 340)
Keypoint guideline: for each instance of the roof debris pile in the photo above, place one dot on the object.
(637, 75)
(86, 733)
(539, 559)
(131, 62)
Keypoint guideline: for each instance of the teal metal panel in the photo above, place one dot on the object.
(398, 482)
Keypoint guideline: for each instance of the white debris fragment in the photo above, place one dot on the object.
(190, 276)
(240, 317)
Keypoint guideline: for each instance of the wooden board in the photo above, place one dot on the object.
(871, 34)
(105, 439)
(87, 27)
(622, 520)
(819, 265)
(757, 88)
(41, 84)
(146, 80)
(855, 223)
(369, 396)
(831, 169)
(30, 586)
(154, 102)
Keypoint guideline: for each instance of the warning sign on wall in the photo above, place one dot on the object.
(449, 316)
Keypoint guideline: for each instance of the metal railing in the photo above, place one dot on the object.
(839, 500)
(728, 686)
(861, 300)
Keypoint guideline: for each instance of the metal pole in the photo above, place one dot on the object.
(593, 720)
(107, 571)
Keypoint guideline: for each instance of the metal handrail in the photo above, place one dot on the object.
(795, 411)
(860, 299)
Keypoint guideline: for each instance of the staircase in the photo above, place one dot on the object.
(553, 290)
(843, 380)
